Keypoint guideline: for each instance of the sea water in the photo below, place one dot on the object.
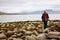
(29, 17)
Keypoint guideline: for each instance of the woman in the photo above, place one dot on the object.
(45, 18)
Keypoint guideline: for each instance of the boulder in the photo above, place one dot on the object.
(53, 39)
(29, 28)
(35, 32)
(30, 38)
(11, 38)
(2, 36)
(54, 33)
(3, 25)
(28, 32)
(17, 39)
(41, 37)
(10, 32)
(46, 30)
(40, 30)
(18, 35)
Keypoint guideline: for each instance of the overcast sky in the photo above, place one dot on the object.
(12, 6)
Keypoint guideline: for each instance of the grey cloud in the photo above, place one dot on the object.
(10, 2)
(56, 7)
(28, 5)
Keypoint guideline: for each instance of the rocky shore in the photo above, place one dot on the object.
(30, 30)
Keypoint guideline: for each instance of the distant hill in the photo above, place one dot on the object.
(2, 13)
(33, 12)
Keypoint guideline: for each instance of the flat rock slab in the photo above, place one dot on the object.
(54, 35)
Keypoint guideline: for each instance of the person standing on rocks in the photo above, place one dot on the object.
(45, 18)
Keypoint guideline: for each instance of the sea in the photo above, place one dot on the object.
(29, 17)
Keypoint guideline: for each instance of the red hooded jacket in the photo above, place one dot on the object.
(45, 16)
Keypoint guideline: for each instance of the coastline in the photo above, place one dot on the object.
(32, 17)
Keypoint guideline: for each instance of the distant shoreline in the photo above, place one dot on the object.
(23, 14)
(31, 21)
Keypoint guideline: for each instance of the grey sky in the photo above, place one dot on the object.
(28, 5)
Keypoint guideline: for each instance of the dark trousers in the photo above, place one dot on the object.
(45, 24)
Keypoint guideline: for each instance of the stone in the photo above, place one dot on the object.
(14, 36)
(28, 32)
(29, 28)
(2, 36)
(41, 37)
(3, 26)
(17, 39)
(40, 30)
(10, 32)
(34, 36)
(53, 39)
(46, 30)
(35, 32)
(54, 33)
(19, 34)
(10, 38)
(30, 38)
